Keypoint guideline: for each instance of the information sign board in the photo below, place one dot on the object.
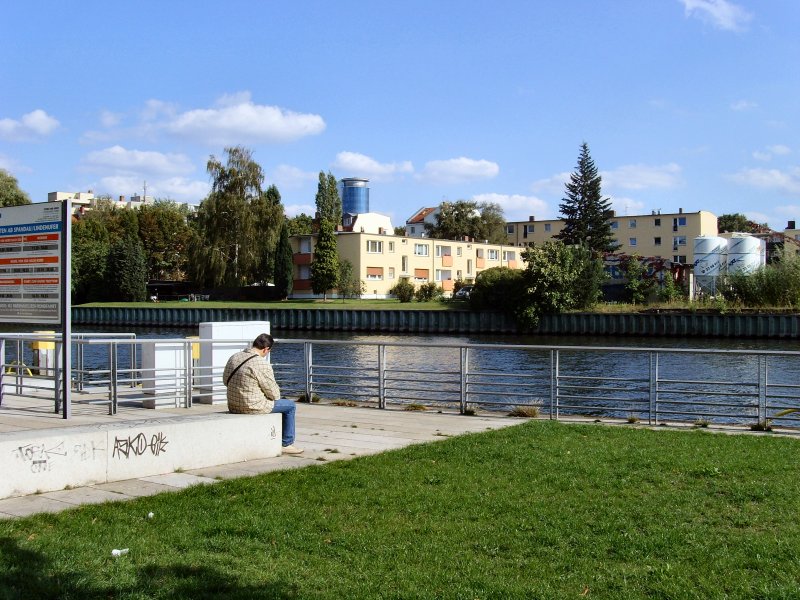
(31, 269)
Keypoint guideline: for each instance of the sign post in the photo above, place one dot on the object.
(35, 274)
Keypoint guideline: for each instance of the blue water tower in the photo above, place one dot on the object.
(355, 195)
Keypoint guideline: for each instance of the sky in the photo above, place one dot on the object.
(691, 104)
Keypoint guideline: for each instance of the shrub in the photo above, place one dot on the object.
(428, 291)
(496, 288)
(403, 290)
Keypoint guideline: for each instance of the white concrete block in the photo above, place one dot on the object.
(163, 373)
(214, 355)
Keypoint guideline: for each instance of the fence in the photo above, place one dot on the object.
(653, 385)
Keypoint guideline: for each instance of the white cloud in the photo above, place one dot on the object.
(763, 156)
(779, 149)
(517, 207)
(640, 177)
(456, 170)
(110, 119)
(34, 124)
(175, 188)
(236, 119)
(122, 160)
(553, 186)
(11, 165)
(742, 105)
(774, 150)
(292, 177)
(623, 206)
(292, 210)
(786, 181)
(361, 165)
(721, 14)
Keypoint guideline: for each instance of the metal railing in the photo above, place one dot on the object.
(655, 385)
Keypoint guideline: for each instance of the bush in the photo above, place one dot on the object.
(403, 290)
(428, 291)
(497, 288)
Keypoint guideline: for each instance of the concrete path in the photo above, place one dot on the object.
(326, 432)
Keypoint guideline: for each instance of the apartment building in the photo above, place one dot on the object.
(381, 260)
(660, 235)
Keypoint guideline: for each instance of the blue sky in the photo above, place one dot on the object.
(691, 104)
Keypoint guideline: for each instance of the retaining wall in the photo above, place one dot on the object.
(678, 324)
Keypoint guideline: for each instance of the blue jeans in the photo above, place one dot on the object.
(286, 408)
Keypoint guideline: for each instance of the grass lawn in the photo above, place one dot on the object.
(542, 510)
(391, 304)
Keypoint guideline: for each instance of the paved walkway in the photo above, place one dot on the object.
(326, 432)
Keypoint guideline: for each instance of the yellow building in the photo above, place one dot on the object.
(381, 260)
(659, 235)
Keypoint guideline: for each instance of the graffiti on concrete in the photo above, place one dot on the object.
(41, 457)
(138, 445)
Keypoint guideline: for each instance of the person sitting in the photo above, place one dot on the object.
(252, 388)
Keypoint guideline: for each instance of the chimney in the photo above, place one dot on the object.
(790, 225)
(531, 218)
(122, 198)
(680, 211)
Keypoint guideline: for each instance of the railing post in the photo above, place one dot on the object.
(652, 412)
(187, 357)
(57, 387)
(308, 368)
(554, 384)
(762, 390)
(112, 407)
(464, 379)
(134, 372)
(79, 356)
(19, 366)
(2, 366)
(382, 376)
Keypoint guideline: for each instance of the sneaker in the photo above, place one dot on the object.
(292, 450)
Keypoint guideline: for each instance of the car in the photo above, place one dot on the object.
(463, 292)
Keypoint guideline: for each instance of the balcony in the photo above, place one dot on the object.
(301, 259)
(447, 260)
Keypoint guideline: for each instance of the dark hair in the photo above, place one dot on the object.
(263, 341)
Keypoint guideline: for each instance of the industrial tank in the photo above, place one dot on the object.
(709, 261)
(746, 254)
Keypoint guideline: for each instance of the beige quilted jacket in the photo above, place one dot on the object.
(252, 389)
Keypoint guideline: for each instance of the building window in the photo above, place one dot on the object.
(443, 275)
(443, 250)
(509, 229)
(421, 275)
(509, 255)
(631, 241)
(679, 222)
(458, 251)
(657, 241)
(493, 254)
(469, 267)
(404, 264)
(304, 272)
(458, 274)
(679, 259)
(530, 228)
(479, 252)
(547, 227)
(391, 273)
(374, 273)
(614, 224)
(374, 247)
(391, 246)
(679, 240)
(632, 223)
(412, 229)
(421, 249)
(657, 222)
(305, 245)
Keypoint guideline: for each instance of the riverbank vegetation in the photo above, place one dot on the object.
(542, 510)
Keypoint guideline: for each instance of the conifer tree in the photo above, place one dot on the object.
(325, 263)
(329, 204)
(584, 210)
(284, 267)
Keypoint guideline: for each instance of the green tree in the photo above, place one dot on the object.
(325, 262)
(227, 244)
(127, 270)
(480, 221)
(637, 284)
(553, 280)
(165, 234)
(428, 291)
(329, 204)
(400, 230)
(498, 287)
(10, 194)
(90, 249)
(302, 224)
(349, 285)
(584, 210)
(284, 265)
(737, 222)
(268, 215)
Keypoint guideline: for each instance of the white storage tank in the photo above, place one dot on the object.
(746, 254)
(709, 261)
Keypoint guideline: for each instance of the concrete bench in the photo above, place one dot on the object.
(49, 460)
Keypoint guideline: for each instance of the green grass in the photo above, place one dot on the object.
(540, 510)
(323, 304)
